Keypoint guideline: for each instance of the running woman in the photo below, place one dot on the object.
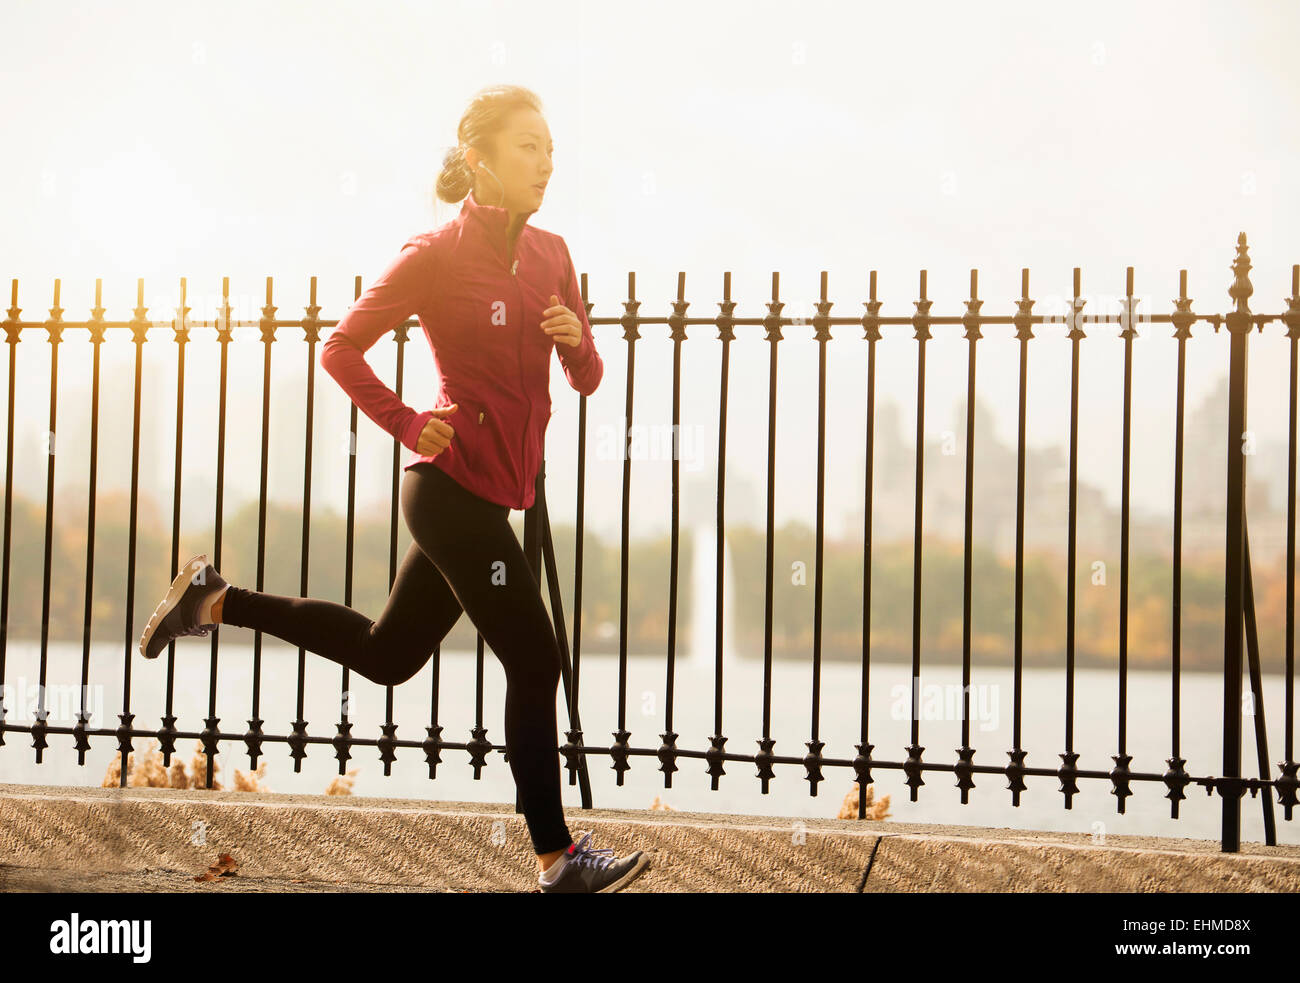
(495, 297)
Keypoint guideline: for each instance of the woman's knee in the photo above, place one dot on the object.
(391, 661)
(531, 658)
(538, 667)
(395, 675)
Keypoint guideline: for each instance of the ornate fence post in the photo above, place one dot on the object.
(1239, 322)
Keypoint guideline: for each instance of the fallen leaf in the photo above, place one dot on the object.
(226, 865)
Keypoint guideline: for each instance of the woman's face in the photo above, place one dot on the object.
(522, 164)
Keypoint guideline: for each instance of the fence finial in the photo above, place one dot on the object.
(1241, 288)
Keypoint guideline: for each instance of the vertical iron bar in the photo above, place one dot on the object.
(921, 321)
(225, 332)
(1287, 783)
(387, 743)
(1120, 773)
(966, 753)
(343, 729)
(1023, 321)
(55, 328)
(619, 749)
(181, 333)
(311, 326)
(772, 322)
(479, 745)
(871, 332)
(97, 329)
(433, 732)
(812, 761)
(676, 322)
(253, 739)
(140, 329)
(726, 334)
(576, 761)
(1176, 777)
(1238, 322)
(1068, 772)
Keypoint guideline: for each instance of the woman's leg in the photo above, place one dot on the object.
(421, 609)
(471, 542)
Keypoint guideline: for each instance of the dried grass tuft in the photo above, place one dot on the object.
(874, 809)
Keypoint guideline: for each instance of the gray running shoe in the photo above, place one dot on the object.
(178, 614)
(590, 871)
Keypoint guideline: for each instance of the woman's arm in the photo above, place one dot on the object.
(582, 364)
(400, 291)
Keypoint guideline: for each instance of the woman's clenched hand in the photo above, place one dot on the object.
(562, 324)
(436, 435)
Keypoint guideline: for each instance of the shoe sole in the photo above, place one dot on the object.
(174, 594)
(627, 878)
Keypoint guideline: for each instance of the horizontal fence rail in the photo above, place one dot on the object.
(1239, 610)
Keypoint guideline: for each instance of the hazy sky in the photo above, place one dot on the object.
(162, 140)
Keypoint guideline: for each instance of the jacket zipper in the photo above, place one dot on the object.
(513, 266)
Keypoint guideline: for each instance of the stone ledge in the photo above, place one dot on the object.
(290, 842)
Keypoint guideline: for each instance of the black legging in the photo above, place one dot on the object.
(465, 556)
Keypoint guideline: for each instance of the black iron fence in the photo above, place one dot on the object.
(1239, 607)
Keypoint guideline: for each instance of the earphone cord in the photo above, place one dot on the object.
(502, 202)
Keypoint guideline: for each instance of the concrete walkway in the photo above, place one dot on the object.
(158, 839)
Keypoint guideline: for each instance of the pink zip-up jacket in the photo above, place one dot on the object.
(480, 305)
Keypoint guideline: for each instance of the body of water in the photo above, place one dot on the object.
(1042, 729)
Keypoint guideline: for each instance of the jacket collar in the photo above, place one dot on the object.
(494, 219)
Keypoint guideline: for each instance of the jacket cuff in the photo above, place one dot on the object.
(580, 355)
(411, 434)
